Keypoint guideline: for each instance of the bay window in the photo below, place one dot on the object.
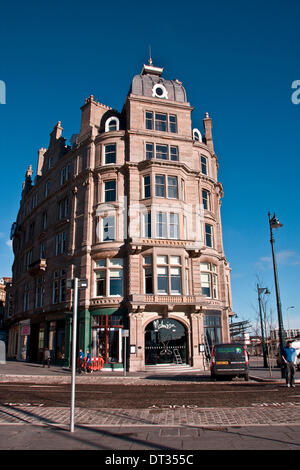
(108, 228)
(167, 225)
(209, 280)
(109, 277)
(110, 154)
(205, 199)
(110, 191)
(172, 186)
(147, 186)
(208, 235)
(148, 274)
(169, 274)
(203, 165)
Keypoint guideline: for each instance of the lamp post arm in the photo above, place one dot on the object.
(259, 291)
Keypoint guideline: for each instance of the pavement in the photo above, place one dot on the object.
(17, 371)
(30, 427)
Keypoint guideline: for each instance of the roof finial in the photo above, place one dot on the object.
(150, 59)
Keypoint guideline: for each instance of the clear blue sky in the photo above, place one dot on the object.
(236, 59)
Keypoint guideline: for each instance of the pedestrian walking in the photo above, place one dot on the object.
(46, 357)
(81, 361)
(88, 361)
(289, 357)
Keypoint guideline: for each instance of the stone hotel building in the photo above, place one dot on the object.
(133, 206)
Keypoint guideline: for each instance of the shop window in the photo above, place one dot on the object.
(165, 340)
(212, 329)
(107, 337)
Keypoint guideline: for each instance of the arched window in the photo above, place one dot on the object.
(197, 135)
(112, 124)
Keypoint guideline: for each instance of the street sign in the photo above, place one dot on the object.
(125, 333)
(82, 283)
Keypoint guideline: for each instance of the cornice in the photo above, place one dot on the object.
(159, 102)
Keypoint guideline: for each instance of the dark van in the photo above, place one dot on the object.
(229, 360)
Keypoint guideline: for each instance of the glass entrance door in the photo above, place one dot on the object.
(165, 342)
(107, 338)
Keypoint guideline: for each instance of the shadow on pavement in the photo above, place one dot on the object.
(58, 431)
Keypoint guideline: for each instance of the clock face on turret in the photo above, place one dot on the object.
(159, 91)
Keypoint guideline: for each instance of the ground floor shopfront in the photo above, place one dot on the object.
(175, 337)
(28, 338)
(154, 338)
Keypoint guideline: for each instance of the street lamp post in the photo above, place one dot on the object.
(74, 284)
(274, 223)
(287, 313)
(261, 290)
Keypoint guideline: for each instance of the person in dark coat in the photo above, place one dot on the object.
(88, 361)
(81, 361)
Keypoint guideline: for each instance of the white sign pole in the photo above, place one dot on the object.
(75, 304)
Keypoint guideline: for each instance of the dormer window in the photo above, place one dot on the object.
(112, 124)
(197, 135)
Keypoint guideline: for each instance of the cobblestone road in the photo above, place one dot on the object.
(268, 415)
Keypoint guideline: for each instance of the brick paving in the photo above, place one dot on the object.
(202, 417)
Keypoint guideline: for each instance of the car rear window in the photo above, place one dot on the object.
(230, 352)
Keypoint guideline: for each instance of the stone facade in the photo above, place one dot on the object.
(133, 206)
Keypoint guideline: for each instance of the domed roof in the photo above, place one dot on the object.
(144, 83)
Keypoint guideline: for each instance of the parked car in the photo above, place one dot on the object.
(229, 360)
(296, 345)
